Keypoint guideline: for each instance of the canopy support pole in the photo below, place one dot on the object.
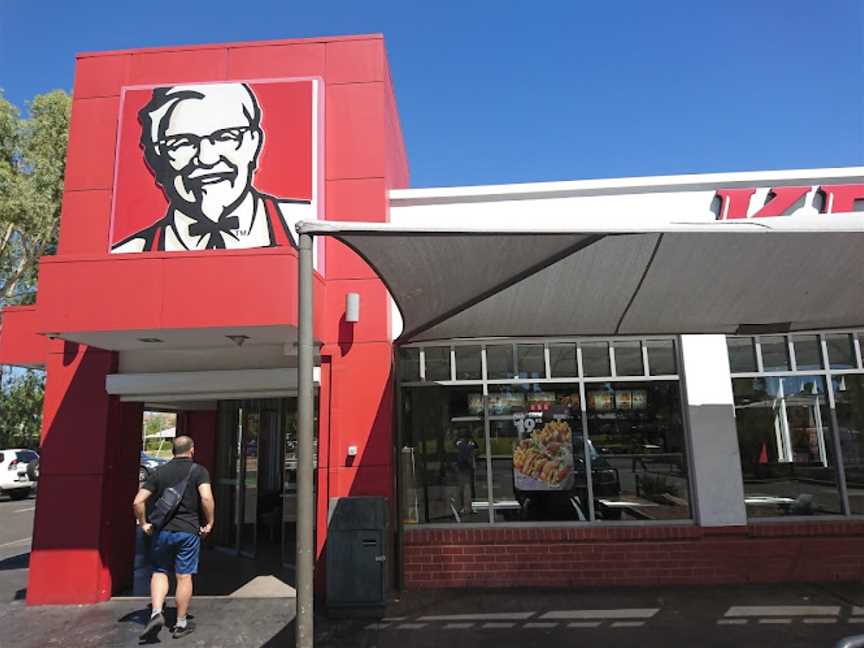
(305, 439)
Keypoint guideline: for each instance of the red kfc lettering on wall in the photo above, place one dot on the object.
(785, 201)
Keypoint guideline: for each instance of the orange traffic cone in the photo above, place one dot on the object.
(763, 455)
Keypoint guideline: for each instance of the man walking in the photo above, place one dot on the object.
(177, 543)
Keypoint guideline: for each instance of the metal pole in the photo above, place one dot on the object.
(305, 439)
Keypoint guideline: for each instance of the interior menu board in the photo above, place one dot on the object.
(543, 452)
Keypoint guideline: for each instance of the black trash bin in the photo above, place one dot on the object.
(357, 551)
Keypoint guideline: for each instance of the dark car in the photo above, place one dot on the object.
(147, 465)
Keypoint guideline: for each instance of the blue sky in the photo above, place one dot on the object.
(504, 91)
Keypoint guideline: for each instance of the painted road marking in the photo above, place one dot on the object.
(540, 625)
(392, 619)
(632, 613)
(497, 626)
(372, 626)
(583, 624)
(411, 626)
(627, 624)
(24, 510)
(458, 626)
(491, 616)
(782, 610)
(731, 621)
(820, 620)
(777, 620)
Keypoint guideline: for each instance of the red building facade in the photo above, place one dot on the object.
(84, 536)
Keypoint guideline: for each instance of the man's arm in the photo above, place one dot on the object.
(208, 506)
(140, 512)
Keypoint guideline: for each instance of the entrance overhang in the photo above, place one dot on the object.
(617, 277)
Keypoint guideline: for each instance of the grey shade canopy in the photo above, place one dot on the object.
(759, 275)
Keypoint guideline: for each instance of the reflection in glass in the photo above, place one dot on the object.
(437, 363)
(499, 361)
(469, 364)
(849, 398)
(562, 360)
(785, 444)
(443, 466)
(808, 352)
(595, 359)
(841, 351)
(409, 364)
(628, 358)
(661, 357)
(775, 353)
(637, 434)
(742, 354)
(531, 361)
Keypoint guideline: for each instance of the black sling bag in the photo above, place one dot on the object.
(166, 505)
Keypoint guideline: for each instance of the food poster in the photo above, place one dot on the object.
(600, 401)
(543, 452)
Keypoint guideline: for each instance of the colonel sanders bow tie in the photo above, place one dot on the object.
(224, 225)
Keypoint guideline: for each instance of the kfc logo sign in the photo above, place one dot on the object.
(215, 166)
(785, 201)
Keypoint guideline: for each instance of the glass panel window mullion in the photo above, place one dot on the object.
(856, 341)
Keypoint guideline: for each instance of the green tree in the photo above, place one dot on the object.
(21, 409)
(32, 164)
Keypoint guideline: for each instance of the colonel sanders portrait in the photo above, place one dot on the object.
(202, 144)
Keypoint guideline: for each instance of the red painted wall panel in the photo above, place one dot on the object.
(90, 158)
(355, 61)
(20, 343)
(263, 61)
(355, 146)
(178, 66)
(84, 222)
(100, 76)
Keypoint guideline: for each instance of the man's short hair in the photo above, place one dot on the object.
(164, 100)
(182, 445)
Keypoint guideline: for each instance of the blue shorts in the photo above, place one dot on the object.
(176, 552)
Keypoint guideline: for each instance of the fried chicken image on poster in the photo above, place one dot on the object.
(203, 144)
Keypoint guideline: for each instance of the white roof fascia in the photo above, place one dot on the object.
(612, 186)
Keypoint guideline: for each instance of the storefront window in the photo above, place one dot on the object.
(443, 471)
(808, 352)
(841, 351)
(499, 362)
(628, 358)
(506, 449)
(469, 364)
(538, 466)
(409, 365)
(775, 353)
(562, 360)
(742, 354)
(595, 359)
(437, 363)
(849, 397)
(531, 361)
(661, 357)
(785, 441)
(638, 452)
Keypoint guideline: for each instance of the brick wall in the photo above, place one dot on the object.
(560, 557)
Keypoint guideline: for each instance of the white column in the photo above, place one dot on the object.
(715, 462)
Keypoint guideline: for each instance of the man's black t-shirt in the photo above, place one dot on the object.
(187, 517)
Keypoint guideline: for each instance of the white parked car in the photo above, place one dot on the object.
(19, 471)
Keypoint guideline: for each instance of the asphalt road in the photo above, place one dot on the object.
(16, 530)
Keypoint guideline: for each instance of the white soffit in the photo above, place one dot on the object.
(617, 276)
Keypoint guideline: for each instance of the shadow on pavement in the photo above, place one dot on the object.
(21, 561)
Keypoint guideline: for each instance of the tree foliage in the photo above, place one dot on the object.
(32, 163)
(21, 409)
